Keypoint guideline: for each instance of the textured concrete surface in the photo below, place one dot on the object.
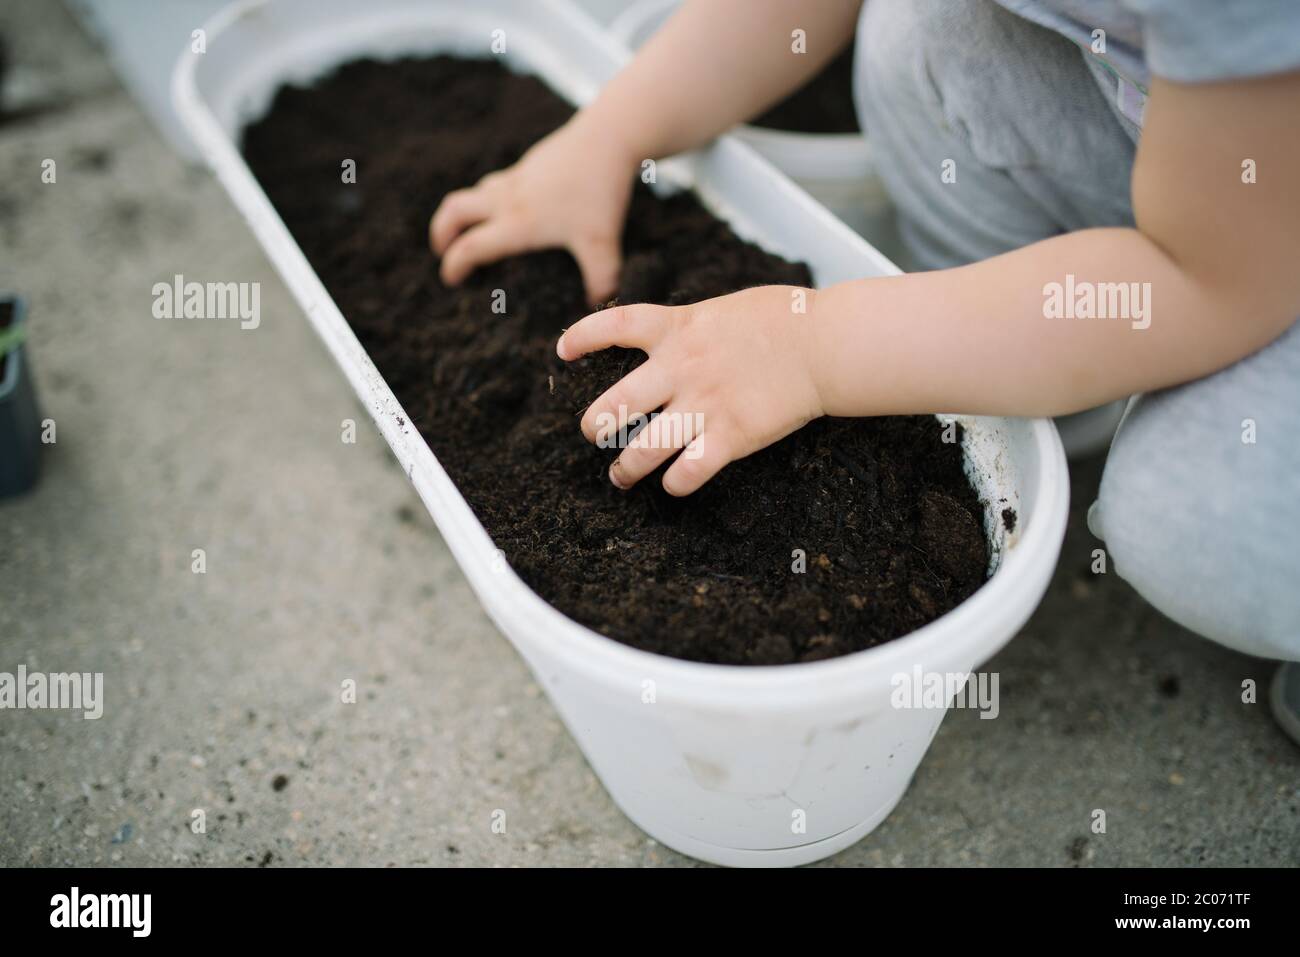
(223, 689)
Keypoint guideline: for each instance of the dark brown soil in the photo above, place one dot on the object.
(1009, 519)
(888, 526)
(823, 105)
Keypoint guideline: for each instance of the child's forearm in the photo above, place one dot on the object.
(1207, 277)
(1012, 335)
(1212, 263)
(714, 64)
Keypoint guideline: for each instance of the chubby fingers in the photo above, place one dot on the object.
(474, 227)
(633, 327)
(485, 243)
(667, 433)
(677, 430)
(457, 212)
(705, 456)
(600, 261)
(640, 392)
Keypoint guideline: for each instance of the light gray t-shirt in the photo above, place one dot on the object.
(1187, 41)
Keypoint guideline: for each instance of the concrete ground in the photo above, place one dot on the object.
(223, 688)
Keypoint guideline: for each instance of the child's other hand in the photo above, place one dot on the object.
(731, 375)
(571, 190)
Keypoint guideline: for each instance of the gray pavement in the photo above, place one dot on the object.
(223, 689)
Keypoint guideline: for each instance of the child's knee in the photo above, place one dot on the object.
(891, 35)
(953, 58)
(1182, 523)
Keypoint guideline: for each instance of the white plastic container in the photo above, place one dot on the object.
(838, 169)
(718, 762)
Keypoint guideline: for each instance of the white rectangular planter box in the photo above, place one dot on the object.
(750, 766)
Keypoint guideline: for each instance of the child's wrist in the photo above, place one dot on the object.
(811, 341)
(827, 339)
(606, 139)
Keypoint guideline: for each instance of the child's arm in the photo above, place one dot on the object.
(1221, 255)
(715, 63)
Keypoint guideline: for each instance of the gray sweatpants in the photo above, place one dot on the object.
(1200, 500)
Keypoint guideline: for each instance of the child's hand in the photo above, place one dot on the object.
(570, 191)
(731, 375)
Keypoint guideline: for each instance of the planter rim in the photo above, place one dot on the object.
(844, 145)
(1027, 561)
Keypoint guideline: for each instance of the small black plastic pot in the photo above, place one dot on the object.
(20, 417)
